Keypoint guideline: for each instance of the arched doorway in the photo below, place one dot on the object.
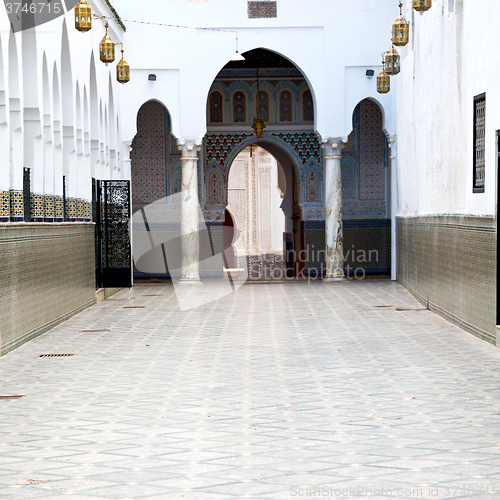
(366, 194)
(255, 193)
(156, 176)
(268, 86)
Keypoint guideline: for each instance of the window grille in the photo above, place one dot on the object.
(286, 106)
(307, 107)
(479, 142)
(239, 107)
(263, 99)
(216, 108)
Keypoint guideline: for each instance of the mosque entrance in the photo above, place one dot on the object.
(272, 185)
(260, 212)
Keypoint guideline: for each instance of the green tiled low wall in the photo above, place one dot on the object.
(449, 264)
(47, 274)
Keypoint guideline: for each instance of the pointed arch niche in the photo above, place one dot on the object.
(154, 156)
(365, 192)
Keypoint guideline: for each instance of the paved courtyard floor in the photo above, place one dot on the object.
(277, 391)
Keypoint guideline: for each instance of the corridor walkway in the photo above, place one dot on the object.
(278, 391)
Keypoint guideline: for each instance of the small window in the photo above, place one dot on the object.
(216, 108)
(479, 142)
(239, 107)
(307, 106)
(263, 106)
(285, 107)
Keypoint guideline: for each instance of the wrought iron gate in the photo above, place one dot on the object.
(111, 214)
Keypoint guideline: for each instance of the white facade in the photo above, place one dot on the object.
(59, 109)
(333, 45)
(450, 59)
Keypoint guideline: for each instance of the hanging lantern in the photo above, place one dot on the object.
(123, 71)
(400, 30)
(392, 62)
(383, 80)
(422, 5)
(107, 48)
(258, 126)
(83, 16)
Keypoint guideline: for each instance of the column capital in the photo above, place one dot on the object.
(189, 147)
(332, 146)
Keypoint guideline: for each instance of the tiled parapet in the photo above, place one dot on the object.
(49, 208)
(4, 206)
(58, 208)
(37, 208)
(16, 206)
(71, 209)
(85, 213)
(83, 209)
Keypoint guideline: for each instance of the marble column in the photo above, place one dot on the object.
(190, 272)
(394, 203)
(333, 211)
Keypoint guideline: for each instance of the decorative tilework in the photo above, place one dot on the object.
(219, 147)
(371, 152)
(58, 208)
(38, 293)
(48, 202)
(37, 207)
(71, 207)
(214, 186)
(267, 266)
(149, 155)
(312, 184)
(349, 181)
(306, 145)
(5, 206)
(16, 206)
(449, 264)
(86, 213)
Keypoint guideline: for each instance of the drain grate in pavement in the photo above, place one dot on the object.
(55, 355)
(402, 309)
(134, 307)
(94, 331)
(13, 397)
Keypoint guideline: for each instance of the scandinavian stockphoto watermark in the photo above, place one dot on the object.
(424, 492)
(26, 14)
(158, 247)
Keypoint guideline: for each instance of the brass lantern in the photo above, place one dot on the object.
(258, 123)
(392, 62)
(422, 5)
(107, 48)
(258, 126)
(400, 30)
(123, 71)
(383, 81)
(83, 16)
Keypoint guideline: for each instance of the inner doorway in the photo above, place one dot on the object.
(256, 203)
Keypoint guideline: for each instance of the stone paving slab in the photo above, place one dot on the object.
(278, 391)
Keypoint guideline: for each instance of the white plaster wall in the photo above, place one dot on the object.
(450, 59)
(323, 41)
(37, 112)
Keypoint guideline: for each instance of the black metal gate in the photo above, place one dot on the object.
(111, 214)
